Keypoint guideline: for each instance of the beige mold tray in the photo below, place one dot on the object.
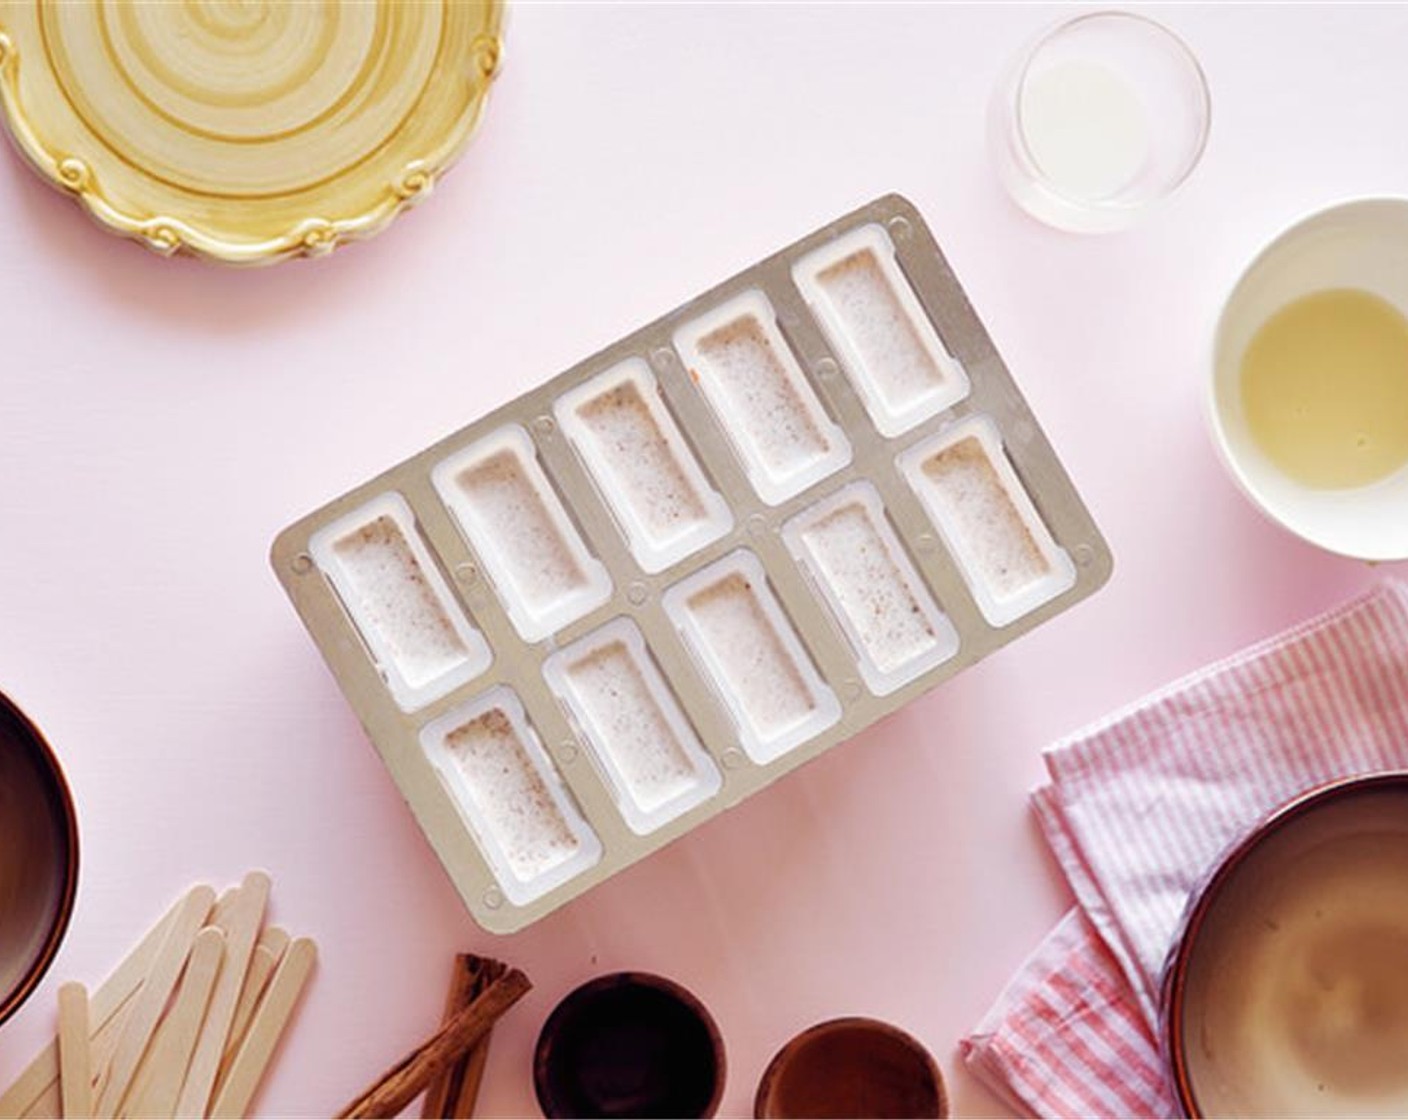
(634, 596)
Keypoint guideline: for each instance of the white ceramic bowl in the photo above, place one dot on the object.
(1358, 244)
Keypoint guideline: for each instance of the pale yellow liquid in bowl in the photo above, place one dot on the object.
(1325, 389)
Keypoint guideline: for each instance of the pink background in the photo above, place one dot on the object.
(160, 421)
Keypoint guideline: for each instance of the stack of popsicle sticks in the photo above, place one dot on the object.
(186, 1026)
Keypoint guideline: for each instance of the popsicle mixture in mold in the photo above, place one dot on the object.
(629, 725)
(1003, 548)
(751, 659)
(510, 509)
(540, 566)
(885, 338)
(891, 619)
(762, 400)
(643, 466)
(880, 330)
(392, 598)
(869, 587)
(510, 795)
(633, 724)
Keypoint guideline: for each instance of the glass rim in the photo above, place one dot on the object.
(1023, 68)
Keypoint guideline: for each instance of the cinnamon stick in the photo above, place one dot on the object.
(471, 1073)
(464, 986)
(409, 1077)
(453, 1093)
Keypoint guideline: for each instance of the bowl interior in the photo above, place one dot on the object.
(629, 1044)
(38, 858)
(1293, 998)
(1359, 244)
(852, 1067)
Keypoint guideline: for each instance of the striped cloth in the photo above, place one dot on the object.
(1140, 806)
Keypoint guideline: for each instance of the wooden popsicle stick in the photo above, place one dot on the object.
(245, 919)
(267, 954)
(151, 1001)
(155, 1091)
(220, 915)
(75, 1059)
(265, 1030)
(40, 1079)
(48, 1105)
(262, 965)
(274, 938)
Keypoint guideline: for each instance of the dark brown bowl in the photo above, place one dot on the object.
(629, 1044)
(1286, 991)
(38, 857)
(853, 1067)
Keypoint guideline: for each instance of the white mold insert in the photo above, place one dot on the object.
(529, 829)
(628, 715)
(512, 517)
(761, 397)
(742, 638)
(879, 330)
(895, 628)
(1003, 548)
(642, 466)
(423, 644)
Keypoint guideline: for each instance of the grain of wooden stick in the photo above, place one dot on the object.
(152, 1000)
(243, 922)
(265, 1030)
(75, 1057)
(263, 962)
(158, 1083)
(409, 1077)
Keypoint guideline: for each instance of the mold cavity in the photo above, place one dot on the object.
(642, 466)
(540, 566)
(423, 644)
(875, 322)
(761, 398)
(739, 633)
(895, 627)
(634, 725)
(1003, 548)
(531, 833)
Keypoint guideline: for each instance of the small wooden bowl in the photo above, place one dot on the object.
(38, 857)
(852, 1067)
(629, 1044)
(1286, 992)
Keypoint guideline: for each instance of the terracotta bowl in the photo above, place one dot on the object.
(629, 1044)
(38, 857)
(1286, 993)
(852, 1067)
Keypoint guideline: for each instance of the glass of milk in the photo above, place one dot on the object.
(1096, 122)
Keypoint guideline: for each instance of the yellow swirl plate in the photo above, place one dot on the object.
(245, 130)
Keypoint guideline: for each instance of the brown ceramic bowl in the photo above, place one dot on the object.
(629, 1044)
(38, 857)
(853, 1067)
(1286, 993)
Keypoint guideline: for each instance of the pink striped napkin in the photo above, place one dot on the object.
(1140, 806)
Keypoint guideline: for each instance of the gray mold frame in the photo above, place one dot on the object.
(638, 595)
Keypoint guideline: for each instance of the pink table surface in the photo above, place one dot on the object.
(160, 421)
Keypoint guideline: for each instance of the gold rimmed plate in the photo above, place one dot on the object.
(246, 130)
